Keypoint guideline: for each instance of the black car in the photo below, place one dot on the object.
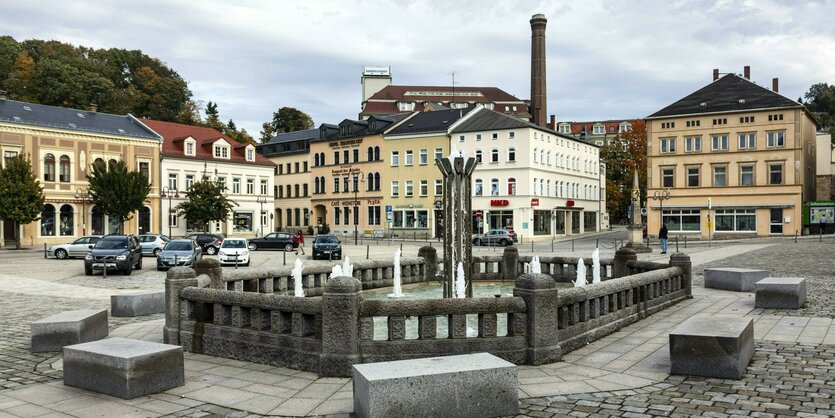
(209, 243)
(327, 247)
(273, 240)
(117, 252)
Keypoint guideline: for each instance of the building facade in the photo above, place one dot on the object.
(63, 144)
(825, 165)
(292, 192)
(596, 132)
(736, 158)
(191, 153)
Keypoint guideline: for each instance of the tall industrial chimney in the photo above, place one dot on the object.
(539, 99)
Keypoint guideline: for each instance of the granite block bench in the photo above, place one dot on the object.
(124, 368)
(712, 346)
(137, 304)
(66, 328)
(481, 385)
(731, 278)
(780, 293)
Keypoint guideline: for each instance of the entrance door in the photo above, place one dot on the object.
(776, 222)
(144, 220)
(8, 233)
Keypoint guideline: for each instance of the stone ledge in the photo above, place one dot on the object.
(780, 293)
(137, 304)
(712, 346)
(731, 278)
(66, 328)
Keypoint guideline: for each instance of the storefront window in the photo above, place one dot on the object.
(48, 220)
(542, 222)
(560, 222)
(501, 219)
(736, 220)
(682, 220)
(66, 220)
(411, 218)
(575, 222)
(589, 221)
(242, 221)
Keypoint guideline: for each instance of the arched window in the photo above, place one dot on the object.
(322, 184)
(316, 160)
(548, 188)
(511, 186)
(494, 155)
(534, 189)
(548, 160)
(479, 187)
(64, 169)
(377, 178)
(370, 154)
(316, 181)
(478, 156)
(369, 185)
(144, 220)
(511, 154)
(377, 157)
(49, 168)
(559, 190)
(48, 221)
(542, 187)
(66, 221)
(535, 155)
(298, 213)
(542, 156)
(111, 164)
(494, 187)
(99, 163)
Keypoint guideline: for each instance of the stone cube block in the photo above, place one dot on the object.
(731, 278)
(712, 346)
(471, 385)
(66, 328)
(124, 368)
(780, 293)
(137, 304)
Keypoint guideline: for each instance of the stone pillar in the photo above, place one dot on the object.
(683, 260)
(540, 294)
(212, 268)
(623, 256)
(430, 256)
(340, 326)
(177, 279)
(510, 263)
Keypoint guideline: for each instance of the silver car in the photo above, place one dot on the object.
(179, 252)
(152, 244)
(501, 237)
(77, 248)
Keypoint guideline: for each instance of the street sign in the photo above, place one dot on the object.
(643, 211)
(478, 213)
(389, 209)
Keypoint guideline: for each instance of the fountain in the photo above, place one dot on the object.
(581, 274)
(398, 291)
(347, 267)
(297, 279)
(595, 268)
(336, 271)
(457, 170)
(460, 283)
(535, 267)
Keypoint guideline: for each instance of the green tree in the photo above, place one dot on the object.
(622, 156)
(189, 114)
(267, 132)
(118, 191)
(241, 136)
(820, 100)
(205, 203)
(213, 117)
(290, 119)
(21, 195)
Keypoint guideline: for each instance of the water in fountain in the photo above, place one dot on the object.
(535, 267)
(581, 274)
(398, 291)
(595, 266)
(297, 279)
(460, 284)
(347, 267)
(336, 271)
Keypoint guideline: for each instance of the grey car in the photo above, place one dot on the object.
(179, 252)
(152, 243)
(77, 248)
(503, 237)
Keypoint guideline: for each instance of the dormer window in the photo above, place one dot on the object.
(250, 154)
(598, 130)
(565, 128)
(222, 151)
(488, 106)
(189, 147)
(406, 106)
(624, 127)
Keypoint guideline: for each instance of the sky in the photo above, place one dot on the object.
(615, 59)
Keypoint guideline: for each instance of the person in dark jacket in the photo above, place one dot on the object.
(662, 235)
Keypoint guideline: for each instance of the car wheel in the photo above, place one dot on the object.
(88, 271)
(477, 242)
(288, 247)
(252, 246)
(211, 250)
(157, 251)
(61, 254)
(139, 264)
(128, 270)
(503, 243)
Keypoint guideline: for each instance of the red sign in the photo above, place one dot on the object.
(534, 202)
(569, 203)
(478, 214)
(499, 202)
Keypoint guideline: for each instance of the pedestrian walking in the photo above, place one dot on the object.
(299, 239)
(662, 235)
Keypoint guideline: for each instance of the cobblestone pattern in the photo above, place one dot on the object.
(783, 380)
(809, 259)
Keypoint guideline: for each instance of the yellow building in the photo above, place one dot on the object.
(736, 160)
(291, 196)
(63, 144)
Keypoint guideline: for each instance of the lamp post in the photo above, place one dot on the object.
(169, 193)
(84, 196)
(660, 196)
(261, 200)
(359, 177)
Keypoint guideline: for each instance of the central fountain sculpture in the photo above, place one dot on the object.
(457, 170)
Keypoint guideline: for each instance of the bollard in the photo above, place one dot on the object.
(572, 245)
(552, 245)
(531, 245)
(44, 251)
(401, 248)
(104, 266)
(676, 243)
(795, 237)
(685, 242)
(367, 251)
(236, 261)
(597, 243)
(285, 258)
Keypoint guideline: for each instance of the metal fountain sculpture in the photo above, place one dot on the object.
(457, 170)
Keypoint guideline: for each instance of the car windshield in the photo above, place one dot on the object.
(327, 240)
(233, 243)
(112, 244)
(178, 246)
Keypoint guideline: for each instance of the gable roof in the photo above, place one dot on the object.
(371, 126)
(427, 122)
(488, 120)
(173, 144)
(294, 136)
(13, 111)
(431, 97)
(730, 93)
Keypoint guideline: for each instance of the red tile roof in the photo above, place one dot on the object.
(174, 134)
(385, 100)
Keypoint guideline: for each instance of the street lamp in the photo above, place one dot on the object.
(660, 196)
(261, 199)
(359, 177)
(84, 196)
(169, 193)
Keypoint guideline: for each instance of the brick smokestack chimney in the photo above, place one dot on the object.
(539, 99)
(775, 85)
(715, 74)
(746, 72)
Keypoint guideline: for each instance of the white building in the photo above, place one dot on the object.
(532, 180)
(191, 152)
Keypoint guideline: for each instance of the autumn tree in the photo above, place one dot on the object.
(622, 156)
(21, 194)
(118, 191)
(205, 202)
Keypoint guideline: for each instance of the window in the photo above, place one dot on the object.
(7, 155)
(297, 166)
(682, 220)
(376, 153)
(145, 170)
(478, 137)
(439, 153)
(264, 187)
(377, 181)
(222, 182)
(337, 212)
(668, 145)
(172, 181)
(305, 166)
(189, 181)
(250, 187)
(494, 187)
(668, 125)
(736, 220)
(692, 176)
(667, 177)
(479, 187)
(776, 139)
(64, 169)
(48, 220)
(746, 119)
(409, 158)
(405, 106)
(250, 155)
(65, 221)
(409, 188)
(315, 185)
(775, 173)
(511, 186)
(722, 121)
(495, 135)
(746, 175)
(395, 158)
(316, 159)
(719, 142)
(460, 138)
(511, 135)
(221, 151)
(336, 185)
(720, 176)
(345, 154)
(356, 155)
(49, 169)
(511, 154)
(565, 129)
(494, 155)
(424, 187)
(236, 186)
(395, 188)
(748, 140)
(692, 144)
(535, 155)
(374, 215)
(478, 156)
(335, 158)
(439, 187)
(370, 155)
(424, 157)
(345, 185)
(598, 130)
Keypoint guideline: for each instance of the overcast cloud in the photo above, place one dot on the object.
(606, 59)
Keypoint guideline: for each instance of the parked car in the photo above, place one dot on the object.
(232, 249)
(117, 252)
(209, 243)
(501, 237)
(327, 247)
(152, 243)
(77, 248)
(273, 240)
(179, 252)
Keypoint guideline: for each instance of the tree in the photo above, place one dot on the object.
(21, 195)
(820, 100)
(21, 81)
(622, 156)
(267, 132)
(289, 119)
(213, 117)
(205, 203)
(117, 191)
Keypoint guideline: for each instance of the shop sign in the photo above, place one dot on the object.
(534, 202)
(409, 206)
(569, 203)
(345, 170)
(373, 201)
(346, 203)
(345, 143)
(499, 202)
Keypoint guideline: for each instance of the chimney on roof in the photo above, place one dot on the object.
(775, 84)
(539, 99)
(3, 95)
(746, 72)
(715, 74)
(552, 122)
(93, 107)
